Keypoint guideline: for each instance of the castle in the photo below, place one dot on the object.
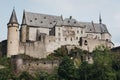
(41, 34)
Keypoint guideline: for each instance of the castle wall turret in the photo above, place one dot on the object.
(23, 33)
(23, 30)
(12, 39)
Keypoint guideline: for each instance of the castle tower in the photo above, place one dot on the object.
(12, 38)
(23, 30)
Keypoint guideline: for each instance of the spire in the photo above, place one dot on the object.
(13, 18)
(24, 19)
(92, 23)
(100, 20)
(61, 16)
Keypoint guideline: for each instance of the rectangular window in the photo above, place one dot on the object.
(81, 32)
(77, 31)
(59, 29)
(65, 39)
(58, 34)
(71, 39)
(76, 38)
(59, 39)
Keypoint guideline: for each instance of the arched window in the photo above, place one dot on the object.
(39, 38)
(85, 43)
(71, 39)
(65, 39)
(80, 41)
(107, 40)
(76, 38)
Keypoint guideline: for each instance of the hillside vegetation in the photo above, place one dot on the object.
(73, 66)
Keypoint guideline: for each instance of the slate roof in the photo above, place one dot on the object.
(94, 27)
(41, 20)
(49, 21)
(13, 18)
(71, 22)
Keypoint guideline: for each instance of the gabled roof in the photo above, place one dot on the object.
(94, 27)
(71, 22)
(41, 20)
(13, 18)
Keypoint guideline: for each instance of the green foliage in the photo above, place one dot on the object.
(106, 66)
(76, 51)
(42, 76)
(61, 52)
(84, 71)
(102, 56)
(66, 69)
(25, 76)
(6, 74)
(103, 64)
(58, 54)
(116, 61)
(5, 61)
(46, 76)
(118, 75)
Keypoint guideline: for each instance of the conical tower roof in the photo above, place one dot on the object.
(13, 18)
(24, 18)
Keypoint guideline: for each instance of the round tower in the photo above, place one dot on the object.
(12, 38)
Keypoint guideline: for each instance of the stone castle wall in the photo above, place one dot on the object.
(93, 43)
(34, 49)
(33, 66)
(40, 49)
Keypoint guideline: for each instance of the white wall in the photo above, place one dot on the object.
(33, 31)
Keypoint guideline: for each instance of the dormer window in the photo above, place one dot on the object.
(30, 20)
(44, 17)
(68, 21)
(35, 18)
(75, 22)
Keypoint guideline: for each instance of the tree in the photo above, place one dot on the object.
(66, 69)
(6, 74)
(61, 52)
(84, 71)
(116, 64)
(103, 64)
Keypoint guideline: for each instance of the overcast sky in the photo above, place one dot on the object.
(82, 10)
